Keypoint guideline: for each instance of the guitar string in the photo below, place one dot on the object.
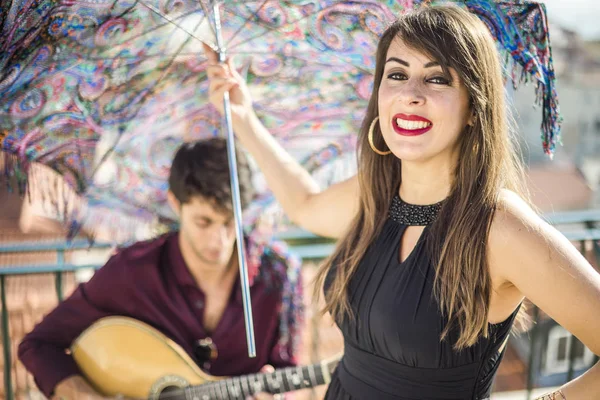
(212, 385)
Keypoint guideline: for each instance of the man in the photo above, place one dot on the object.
(185, 284)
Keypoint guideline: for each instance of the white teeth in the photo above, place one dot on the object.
(411, 125)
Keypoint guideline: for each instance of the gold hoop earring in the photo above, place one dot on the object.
(375, 149)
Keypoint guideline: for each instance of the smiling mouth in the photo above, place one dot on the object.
(411, 127)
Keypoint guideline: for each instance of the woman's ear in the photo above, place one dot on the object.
(174, 203)
(472, 117)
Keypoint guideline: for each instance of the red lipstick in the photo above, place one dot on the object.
(407, 131)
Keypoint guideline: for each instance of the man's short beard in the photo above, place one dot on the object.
(207, 261)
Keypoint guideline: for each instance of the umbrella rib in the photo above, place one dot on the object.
(254, 15)
(134, 204)
(49, 12)
(212, 27)
(195, 54)
(160, 25)
(6, 44)
(140, 103)
(78, 147)
(81, 163)
(172, 21)
(270, 29)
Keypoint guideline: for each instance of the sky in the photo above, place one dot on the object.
(582, 16)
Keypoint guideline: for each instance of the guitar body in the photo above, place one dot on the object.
(124, 356)
(120, 355)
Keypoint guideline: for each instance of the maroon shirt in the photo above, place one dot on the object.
(150, 281)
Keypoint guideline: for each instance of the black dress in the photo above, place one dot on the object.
(392, 349)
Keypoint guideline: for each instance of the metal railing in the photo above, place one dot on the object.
(58, 268)
(304, 244)
(590, 232)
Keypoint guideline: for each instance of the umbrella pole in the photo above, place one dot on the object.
(237, 205)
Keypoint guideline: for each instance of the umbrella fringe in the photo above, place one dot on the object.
(114, 227)
(37, 183)
(13, 173)
(41, 185)
(545, 97)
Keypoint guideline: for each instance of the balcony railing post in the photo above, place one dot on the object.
(60, 259)
(573, 340)
(596, 254)
(572, 345)
(532, 351)
(6, 343)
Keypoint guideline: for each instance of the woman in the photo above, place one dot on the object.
(437, 249)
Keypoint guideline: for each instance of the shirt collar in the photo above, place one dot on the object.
(177, 263)
(184, 276)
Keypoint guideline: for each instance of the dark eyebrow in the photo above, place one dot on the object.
(400, 61)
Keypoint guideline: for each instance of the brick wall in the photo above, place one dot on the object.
(29, 298)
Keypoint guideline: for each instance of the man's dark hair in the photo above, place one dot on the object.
(201, 169)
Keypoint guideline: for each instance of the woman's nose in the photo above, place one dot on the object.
(411, 93)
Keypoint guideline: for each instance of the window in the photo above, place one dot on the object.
(557, 352)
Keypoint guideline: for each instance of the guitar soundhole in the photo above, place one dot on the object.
(171, 393)
(169, 387)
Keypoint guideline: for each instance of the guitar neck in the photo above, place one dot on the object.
(280, 381)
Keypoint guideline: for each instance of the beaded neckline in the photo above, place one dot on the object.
(413, 214)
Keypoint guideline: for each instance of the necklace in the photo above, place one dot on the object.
(412, 214)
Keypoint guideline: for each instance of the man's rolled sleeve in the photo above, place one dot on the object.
(44, 350)
(46, 379)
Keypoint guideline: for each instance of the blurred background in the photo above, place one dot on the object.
(39, 267)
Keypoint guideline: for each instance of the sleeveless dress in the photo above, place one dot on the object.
(392, 349)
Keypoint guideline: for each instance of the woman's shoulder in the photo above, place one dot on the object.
(517, 231)
(513, 216)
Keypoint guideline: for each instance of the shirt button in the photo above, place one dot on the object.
(199, 304)
(284, 355)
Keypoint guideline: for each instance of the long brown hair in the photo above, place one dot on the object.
(488, 162)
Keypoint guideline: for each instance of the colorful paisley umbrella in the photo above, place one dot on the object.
(104, 91)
